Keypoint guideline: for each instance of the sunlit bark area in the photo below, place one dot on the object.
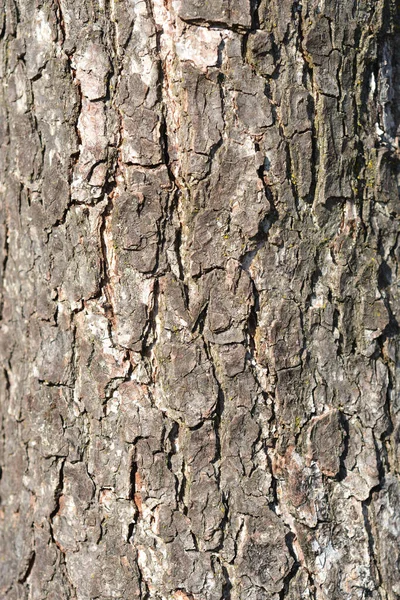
(199, 299)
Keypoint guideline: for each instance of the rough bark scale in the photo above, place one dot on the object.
(199, 254)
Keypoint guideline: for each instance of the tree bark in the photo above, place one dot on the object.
(199, 299)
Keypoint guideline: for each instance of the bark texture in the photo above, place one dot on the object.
(199, 299)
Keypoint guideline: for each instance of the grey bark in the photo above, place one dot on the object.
(199, 299)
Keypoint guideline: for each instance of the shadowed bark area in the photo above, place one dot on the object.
(199, 300)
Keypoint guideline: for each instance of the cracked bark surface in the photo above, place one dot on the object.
(199, 301)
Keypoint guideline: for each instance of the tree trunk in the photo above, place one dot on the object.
(199, 299)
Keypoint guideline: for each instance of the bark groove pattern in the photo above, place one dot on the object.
(199, 301)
